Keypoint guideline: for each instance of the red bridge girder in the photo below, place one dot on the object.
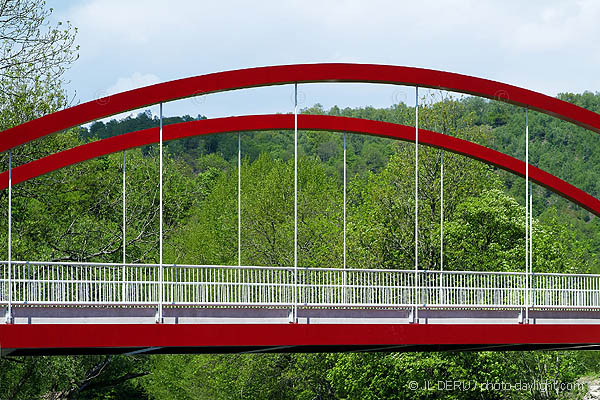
(23, 339)
(305, 122)
(286, 74)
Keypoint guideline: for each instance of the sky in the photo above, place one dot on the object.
(549, 46)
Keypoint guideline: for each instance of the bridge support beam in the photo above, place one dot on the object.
(226, 338)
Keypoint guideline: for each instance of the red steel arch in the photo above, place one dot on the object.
(305, 122)
(286, 74)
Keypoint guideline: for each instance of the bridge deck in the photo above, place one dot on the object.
(35, 315)
(67, 308)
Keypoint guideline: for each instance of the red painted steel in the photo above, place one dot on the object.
(286, 74)
(113, 336)
(305, 122)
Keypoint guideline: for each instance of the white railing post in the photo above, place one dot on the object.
(159, 316)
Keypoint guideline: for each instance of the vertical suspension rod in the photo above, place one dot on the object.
(441, 297)
(532, 288)
(161, 270)
(527, 212)
(417, 180)
(10, 288)
(124, 231)
(345, 282)
(124, 211)
(416, 198)
(345, 190)
(239, 199)
(295, 311)
(442, 211)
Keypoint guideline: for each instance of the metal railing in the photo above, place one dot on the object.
(86, 284)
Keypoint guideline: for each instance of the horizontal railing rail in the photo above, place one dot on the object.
(88, 284)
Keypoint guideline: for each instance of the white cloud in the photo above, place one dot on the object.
(126, 22)
(546, 45)
(136, 80)
(558, 27)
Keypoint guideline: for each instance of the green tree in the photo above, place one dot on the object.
(31, 48)
(487, 233)
(54, 377)
(248, 376)
(75, 214)
(267, 218)
(381, 221)
(433, 375)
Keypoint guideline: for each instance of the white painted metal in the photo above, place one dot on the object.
(530, 241)
(239, 199)
(527, 212)
(8, 317)
(441, 217)
(124, 212)
(415, 314)
(124, 228)
(345, 191)
(531, 227)
(442, 210)
(416, 178)
(159, 315)
(295, 308)
(94, 284)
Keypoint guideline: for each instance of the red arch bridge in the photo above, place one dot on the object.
(76, 308)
